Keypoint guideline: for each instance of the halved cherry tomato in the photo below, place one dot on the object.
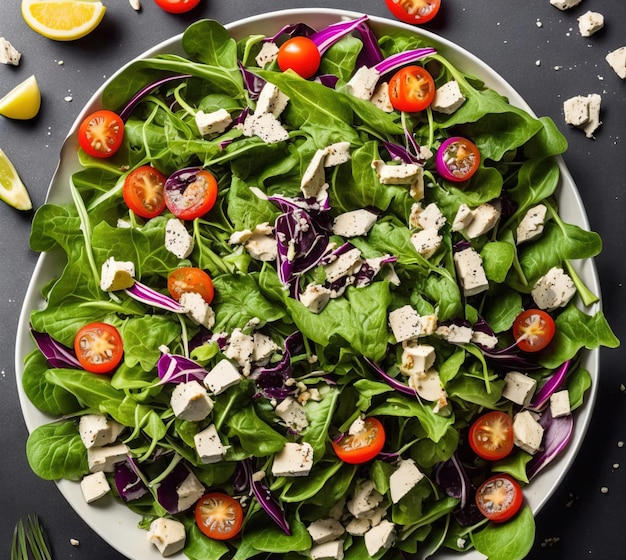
(499, 498)
(457, 159)
(219, 516)
(190, 279)
(177, 6)
(414, 11)
(301, 55)
(491, 435)
(100, 135)
(190, 193)
(411, 89)
(533, 330)
(143, 191)
(99, 347)
(362, 446)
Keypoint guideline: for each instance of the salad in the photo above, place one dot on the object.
(325, 317)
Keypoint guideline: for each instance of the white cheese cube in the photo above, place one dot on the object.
(336, 154)
(595, 101)
(463, 218)
(117, 275)
(354, 223)
(97, 430)
(519, 388)
(416, 358)
(404, 323)
(105, 458)
(358, 527)
(214, 122)
(564, 4)
(380, 97)
(314, 177)
(8, 53)
(271, 100)
(617, 61)
(262, 247)
(576, 110)
(263, 347)
(559, 404)
(332, 550)
(294, 459)
(346, 264)
(178, 240)
(325, 530)
(221, 377)
(469, 268)
(554, 289)
(168, 535)
(364, 500)
(426, 218)
(190, 401)
(363, 83)
(208, 445)
(427, 242)
(404, 479)
(429, 387)
(589, 23)
(379, 537)
(291, 412)
(458, 334)
(240, 348)
(484, 339)
(532, 224)
(94, 486)
(189, 491)
(448, 98)
(397, 173)
(484, 219)
(266, 126)
(527, 432)
(267, 54)
(315, 297)
(198, 309)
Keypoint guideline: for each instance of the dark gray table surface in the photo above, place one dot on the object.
(585, 517)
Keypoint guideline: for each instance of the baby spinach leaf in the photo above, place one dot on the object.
(507, 541)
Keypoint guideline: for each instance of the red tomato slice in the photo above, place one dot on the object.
(491, 435)
(219, 516)
(190, 194)
(190, 279)
(362, 446)
(177, 6)
(457, 159)
(143, 191)
(411, 89)
(98, 347)
(100, 135)
(499, 498)
(414, 11)
(301, 55)
(533, 330)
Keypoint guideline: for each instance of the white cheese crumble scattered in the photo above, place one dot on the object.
(583, 112)
(589, 23)
(8, 53)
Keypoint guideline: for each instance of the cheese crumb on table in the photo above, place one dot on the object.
(589, 23)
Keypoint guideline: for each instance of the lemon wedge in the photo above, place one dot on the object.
(12, 190)
(23, 101)
(62, 20)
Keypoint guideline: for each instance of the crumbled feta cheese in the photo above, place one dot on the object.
(294, 459)
(117, 275)
(463, 218)
(354, 223)
(315, 297)
(428, 386)
(527, 432)
(404, 479)
(332, 550)
(559, 404)
(105, 458)
(519, 388)
(271, 100)
(457, 334)
(291, 412)
(314, 178)
(564, 4)
(448, 98)
(8, 53)
(94, 486)
(168, 535)
(189, 491)
(397, 173)
(617, 61)
(484, 219)
(379, 537)
(469, 268)
(325, 530)
(261, 247)
(364, 500)
(221, 377)
(190, 401)
(346, 264)
(589, 23)
(178, 240)
(404, 323)
(97, 430)
(426, 218)
(208, 445)
(427, 242)
(358, 527)
(583, 112)
(213, 122)
(199, 310)
(363, 82)
(380, 97)
(483, 339)
(264, 347)
(266, 126)
(531, 225)
(554, 289)
(336, 154)
(267, 54)
(240, 348)
(416, 358)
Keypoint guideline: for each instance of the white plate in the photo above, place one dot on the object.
(117, 524)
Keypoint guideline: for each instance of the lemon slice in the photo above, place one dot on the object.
(12, 190)
(62, 20)
(23, 101)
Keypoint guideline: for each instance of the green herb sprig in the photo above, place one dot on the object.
(29, 541)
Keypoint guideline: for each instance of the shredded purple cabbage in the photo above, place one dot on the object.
(167, 494)
(57, 355)
(144, 294)
(328, 36)
(394, 383)
(556, 435)
(370, 54)
(452, 478)
(127, 482)
(398, 60)
(124, 114)
(173, 368)
(272, 379)
(553, 384)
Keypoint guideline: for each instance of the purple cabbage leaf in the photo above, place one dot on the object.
(57, 355)
(173, 368)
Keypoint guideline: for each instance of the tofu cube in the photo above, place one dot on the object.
(178, 240)
(190, 401)
(404, 479)
(94, 486)
(105, 458)
(381, 536)
(168, 535)
(291, 412)
(463, 218)
(554, 289)
(223, 376)
(527, 432)
(266, 126)
(519, 388)
(325, 530)
(208, 445)
(470, 271)
(264, 347)
(448, 98)
(404, 323)
(117, 275)
(559, 404)
(240, 348)
(332, 550)
(354, 223)
(380, 97)
(294, 459)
